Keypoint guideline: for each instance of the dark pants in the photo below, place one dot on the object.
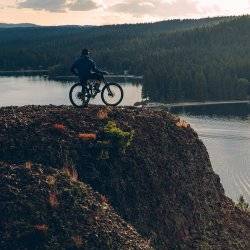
(91, 76)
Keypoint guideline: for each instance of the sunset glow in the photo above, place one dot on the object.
(99, 12)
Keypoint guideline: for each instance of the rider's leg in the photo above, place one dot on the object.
(98, 77)
(83, 82)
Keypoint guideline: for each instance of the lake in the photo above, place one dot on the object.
(26, 90)
(225, 131)
(228, 142)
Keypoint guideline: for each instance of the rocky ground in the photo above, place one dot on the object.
(150, 166)
(43, 208)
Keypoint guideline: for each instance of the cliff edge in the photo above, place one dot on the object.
(151, 166)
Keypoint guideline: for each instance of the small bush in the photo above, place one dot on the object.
(121, 139)
(243, 205)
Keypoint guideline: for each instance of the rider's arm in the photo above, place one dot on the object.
(96, 70)
(73, 69)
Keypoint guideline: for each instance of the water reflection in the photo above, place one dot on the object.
(228, 142)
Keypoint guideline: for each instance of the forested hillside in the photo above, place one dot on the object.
(206, 59)
(18, 25)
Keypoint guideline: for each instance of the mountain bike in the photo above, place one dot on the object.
(111, 93)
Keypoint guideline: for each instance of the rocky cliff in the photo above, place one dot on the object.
(149, 165)
(42, 208)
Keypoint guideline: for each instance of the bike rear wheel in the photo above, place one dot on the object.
(112, 94)
(79, 95)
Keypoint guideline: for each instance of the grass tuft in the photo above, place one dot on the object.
(71, 172)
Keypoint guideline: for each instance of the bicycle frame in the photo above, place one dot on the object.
(91, 84)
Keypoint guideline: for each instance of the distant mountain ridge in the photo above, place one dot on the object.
(16, 25)
(186, 23)
(32, 25)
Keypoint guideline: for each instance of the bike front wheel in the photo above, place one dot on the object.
(79, 95)
(112, 94)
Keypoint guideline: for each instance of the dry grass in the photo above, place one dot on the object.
(71, 172)
(28, 165)
(104, 203)
(43, 228)
(182, 124)
(104, 199)
(53, 200)
(59, 127)
(51, 180)
(87, 137)
(78, 241)
(103, 114)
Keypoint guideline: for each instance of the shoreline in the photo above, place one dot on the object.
(23, 71)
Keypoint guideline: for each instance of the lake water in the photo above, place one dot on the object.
(228, 142)
(226, 136)
(41, 91)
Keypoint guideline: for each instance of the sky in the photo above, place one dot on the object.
(101, 12)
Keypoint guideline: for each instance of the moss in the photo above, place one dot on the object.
(121, 139)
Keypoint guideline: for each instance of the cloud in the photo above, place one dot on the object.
(58, 5)
(49, 5)
(83, 5)
(159, 8)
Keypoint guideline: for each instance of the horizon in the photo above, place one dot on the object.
(163, 20)
(98, 13)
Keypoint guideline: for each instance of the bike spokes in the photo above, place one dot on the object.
(79, 95)
(112, 94)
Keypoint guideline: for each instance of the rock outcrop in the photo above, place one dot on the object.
(43, 208)
(151, 166)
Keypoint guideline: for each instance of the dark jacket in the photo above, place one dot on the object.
(83, 67)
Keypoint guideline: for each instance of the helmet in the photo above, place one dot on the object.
(85, 52)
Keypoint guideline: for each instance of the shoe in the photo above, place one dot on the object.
(97, 88)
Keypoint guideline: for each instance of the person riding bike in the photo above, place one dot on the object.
(86, 69)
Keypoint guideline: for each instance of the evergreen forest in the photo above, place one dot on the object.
(181, 60)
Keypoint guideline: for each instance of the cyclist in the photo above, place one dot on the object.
(86, 69)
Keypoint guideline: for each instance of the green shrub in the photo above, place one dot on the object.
(243, 205)
(120, 139)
